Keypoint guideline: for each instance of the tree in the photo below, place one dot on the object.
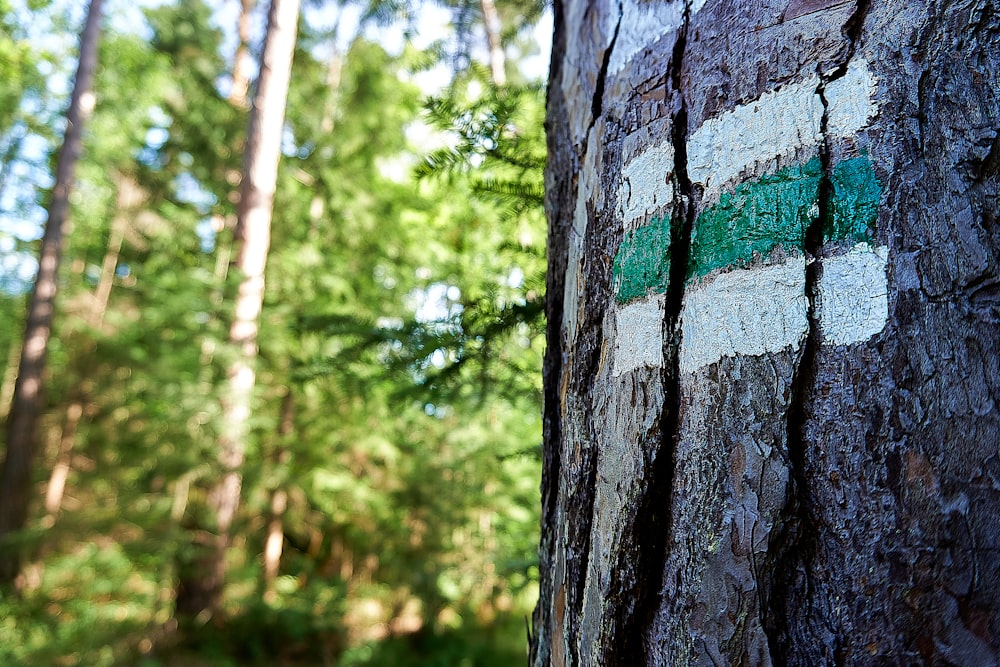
(200, 589)
(400, 317)
(771, 420)
(28, 400)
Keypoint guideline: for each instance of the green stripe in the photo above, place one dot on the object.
(757, 217)
(856, 195)
(754, 219)
(642, 263)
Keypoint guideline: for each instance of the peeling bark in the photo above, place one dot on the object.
(771, 424)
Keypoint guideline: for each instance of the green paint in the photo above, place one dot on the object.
(642, 263)
(757, 217)
(754, 219)
(854, 205)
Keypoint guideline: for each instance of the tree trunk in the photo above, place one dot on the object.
(129, 199)
(491, 24)
(774, 288)
(242, 60)
(201, 579)
(275, 541)
(27, 403)
(9, 377)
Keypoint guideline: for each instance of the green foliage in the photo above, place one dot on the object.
(398, 395)
(92, 606)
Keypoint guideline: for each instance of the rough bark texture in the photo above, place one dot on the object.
(27, 403)
(774, 288)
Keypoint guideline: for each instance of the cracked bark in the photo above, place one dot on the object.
(822, 502)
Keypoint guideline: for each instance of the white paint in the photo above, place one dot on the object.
(642, 24)
(647, 185)
(639, 335)
(850, 100)
(763, 310)
(853, 299)
(746, 311)
(777, 126)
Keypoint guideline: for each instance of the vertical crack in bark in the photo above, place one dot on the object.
(552, 364)
(640, 598)
(680, 250)
(794, 540)
(597, 104)
(555, 280)
(583, 545)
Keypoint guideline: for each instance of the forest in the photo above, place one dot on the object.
(270, 418)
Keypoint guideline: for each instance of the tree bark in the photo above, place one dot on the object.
(27, 403)
(771, 416)
(201, 580)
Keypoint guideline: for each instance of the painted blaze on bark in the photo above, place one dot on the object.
(756, 218)
(771, 412)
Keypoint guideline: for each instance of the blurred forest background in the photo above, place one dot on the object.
(391, 455)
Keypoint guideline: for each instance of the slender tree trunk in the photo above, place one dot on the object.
(28, 403)
(9, 378)
(242, 65)
(492, 25)
(275, 542)
(771, 418)
(242, 60)
(200, 585)
(60, 471)
(129, 197)
(223, 225)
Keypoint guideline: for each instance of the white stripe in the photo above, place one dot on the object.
(763, 310)
(777, 125)
(642, 24)
(647, 185)
(849, 100)
(854, 295)
(746, 311)
(639, 335)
